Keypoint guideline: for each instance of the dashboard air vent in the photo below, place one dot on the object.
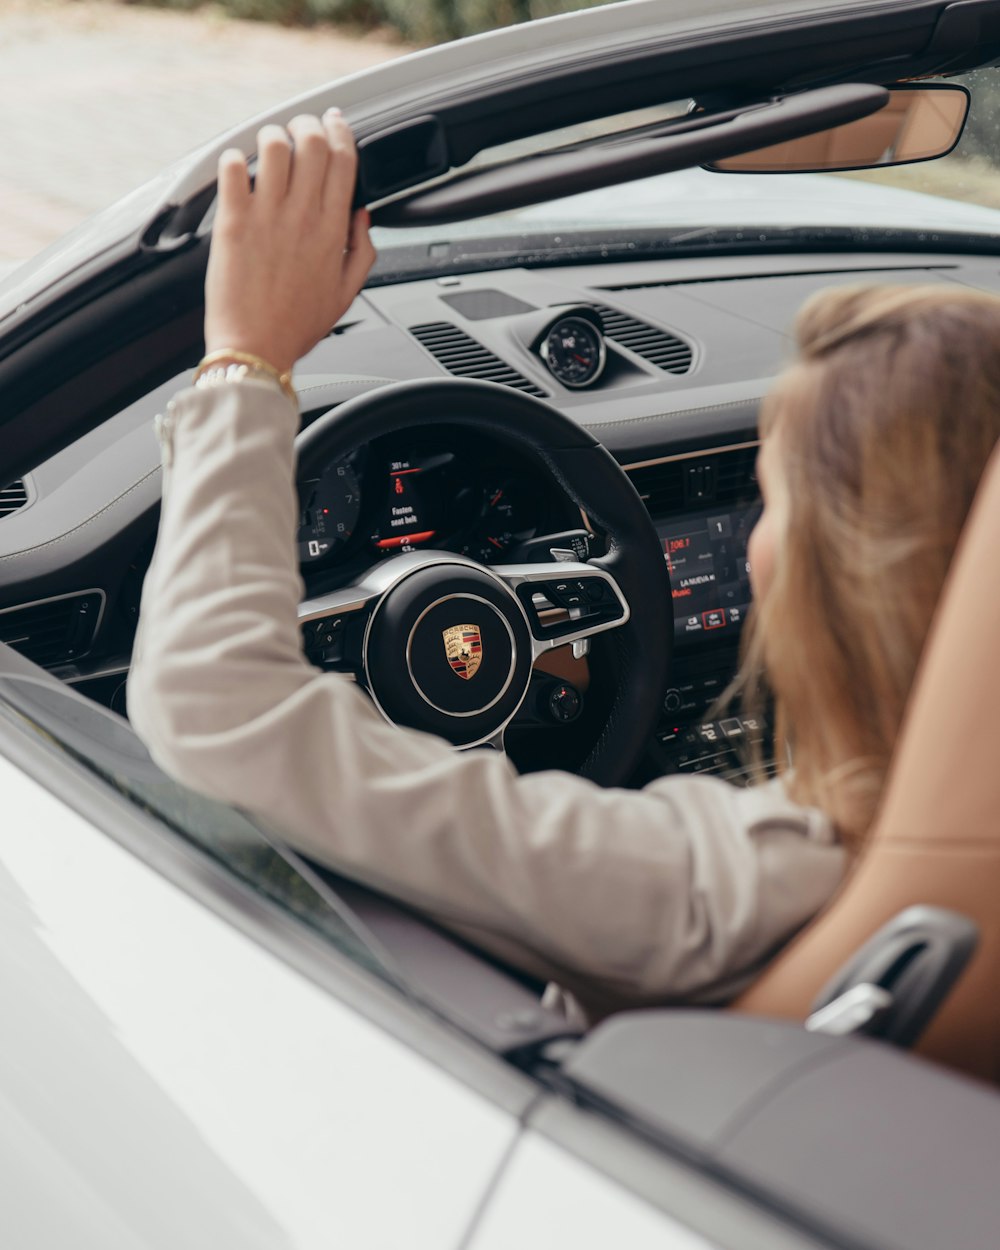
(12, 497)
(664, 350)
(461, 355)
(722, 478)
(53, 631)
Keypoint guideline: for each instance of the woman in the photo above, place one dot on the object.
(678, 891)
(874, 444)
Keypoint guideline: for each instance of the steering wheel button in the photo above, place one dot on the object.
(557, 592)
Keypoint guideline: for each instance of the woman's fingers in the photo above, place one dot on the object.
(360, 255)
(234, 183)
(310, 161)
(312, 165)
(338, 189)
(274, 165)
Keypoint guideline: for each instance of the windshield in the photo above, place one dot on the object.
(959, 192)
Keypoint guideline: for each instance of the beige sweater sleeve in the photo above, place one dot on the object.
(622, 896)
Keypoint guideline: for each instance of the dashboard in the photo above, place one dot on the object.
(476, 498)
(664, 362)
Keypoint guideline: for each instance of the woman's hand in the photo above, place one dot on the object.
(288, 257)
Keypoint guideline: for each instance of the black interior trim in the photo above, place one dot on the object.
(694, 141)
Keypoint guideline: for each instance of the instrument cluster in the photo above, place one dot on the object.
(386, 498)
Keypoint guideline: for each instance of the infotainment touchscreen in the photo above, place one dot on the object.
(706, 554)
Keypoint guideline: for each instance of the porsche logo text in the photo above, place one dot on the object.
(463, 645)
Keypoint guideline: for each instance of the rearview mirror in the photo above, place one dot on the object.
(917, 124)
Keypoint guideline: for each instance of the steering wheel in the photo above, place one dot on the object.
(446, 645)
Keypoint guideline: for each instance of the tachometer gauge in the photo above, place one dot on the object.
(574, 351)
(330, 507)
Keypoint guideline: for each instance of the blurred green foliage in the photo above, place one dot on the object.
(426, 21)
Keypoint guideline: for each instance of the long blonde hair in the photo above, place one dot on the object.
(883, 426)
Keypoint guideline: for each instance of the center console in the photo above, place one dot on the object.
(705, 550)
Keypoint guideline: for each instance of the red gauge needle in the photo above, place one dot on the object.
(499, 546)
(496, 497)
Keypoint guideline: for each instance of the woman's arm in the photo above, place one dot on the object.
(619, 895)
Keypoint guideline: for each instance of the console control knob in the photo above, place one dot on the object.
(565, 703)
(672, 702)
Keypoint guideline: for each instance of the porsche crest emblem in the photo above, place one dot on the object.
(463, 645)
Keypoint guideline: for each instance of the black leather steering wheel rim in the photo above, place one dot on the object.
(592, 478)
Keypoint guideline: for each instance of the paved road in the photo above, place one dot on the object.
(96, 97)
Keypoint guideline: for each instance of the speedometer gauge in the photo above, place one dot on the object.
(330, 507)
(508, 516)
(574, 351)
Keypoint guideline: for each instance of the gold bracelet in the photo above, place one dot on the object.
(229, 365)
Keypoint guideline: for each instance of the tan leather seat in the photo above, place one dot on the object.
(936, 839)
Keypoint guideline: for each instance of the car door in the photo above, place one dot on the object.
(695, 1128)
(184, 1063)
